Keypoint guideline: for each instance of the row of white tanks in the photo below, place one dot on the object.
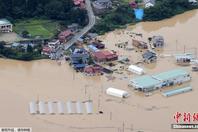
(59, 107)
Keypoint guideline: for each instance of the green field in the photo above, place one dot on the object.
(37, 27)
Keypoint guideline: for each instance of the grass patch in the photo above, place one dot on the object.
(37, 27)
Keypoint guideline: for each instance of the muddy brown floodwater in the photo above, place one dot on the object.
(22, 82)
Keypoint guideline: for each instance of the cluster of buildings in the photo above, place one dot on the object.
(5, 26)
(155, 42)
(91, 58)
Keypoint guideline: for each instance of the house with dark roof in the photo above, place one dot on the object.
(149, 56)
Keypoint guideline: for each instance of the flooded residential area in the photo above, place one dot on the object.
(51, 80)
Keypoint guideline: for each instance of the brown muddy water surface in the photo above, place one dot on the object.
(22, 82)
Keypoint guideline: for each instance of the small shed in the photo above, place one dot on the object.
(93, 48)
(136, 70)
(117, 92)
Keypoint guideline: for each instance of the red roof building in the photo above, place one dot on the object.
(78, 2)
(46, 50)
(65, 36)
(93, 70)
(102, 56)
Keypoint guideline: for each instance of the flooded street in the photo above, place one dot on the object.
(22, 82)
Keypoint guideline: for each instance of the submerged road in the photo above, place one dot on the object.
(92, 22)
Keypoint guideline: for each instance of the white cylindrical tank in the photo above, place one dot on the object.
(60, 106)
(117, 92)
(89, 107)
(79, 109)
(33, 107)
(51, 107)
(69, 107)
(42, 107)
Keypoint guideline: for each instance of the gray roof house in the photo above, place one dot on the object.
(149, 56)
(157, 41)
(100, 6)
(149, 3)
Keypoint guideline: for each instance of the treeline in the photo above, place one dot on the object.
(52, 9)
(166, 9)
(27, 54)
(115, 19)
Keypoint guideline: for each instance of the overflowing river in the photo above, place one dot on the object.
(22, 82)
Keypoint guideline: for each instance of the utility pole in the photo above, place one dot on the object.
(184, 48)
(123, 127)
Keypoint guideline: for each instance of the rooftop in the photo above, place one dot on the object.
(4, 21)
(170, 74)
(145, 81)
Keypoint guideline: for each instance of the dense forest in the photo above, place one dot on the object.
(50, 9)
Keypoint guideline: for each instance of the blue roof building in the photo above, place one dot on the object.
(139, 13)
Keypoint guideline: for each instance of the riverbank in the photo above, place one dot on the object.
(123, 14)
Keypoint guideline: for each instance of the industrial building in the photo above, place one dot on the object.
(145, 83)
(149, 83)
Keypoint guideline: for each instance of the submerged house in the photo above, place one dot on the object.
(93, 70)
(139, 44)
(5, 26)
(157, 41)
(184, 59)
(79, 59)
(149, 83)
(98, 45)
(104, 56)
(149, 56)
(100, 6)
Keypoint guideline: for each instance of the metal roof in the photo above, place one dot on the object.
(4, 21)
(170, 74)
(145, 81)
